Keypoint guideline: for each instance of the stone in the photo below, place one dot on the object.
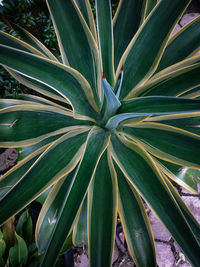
(8, 159)
(193, 204)
(165, 257)
(82, 261)
(115, 254)
(182, 260)
(159, 231)
(177, 27)
(187, 18)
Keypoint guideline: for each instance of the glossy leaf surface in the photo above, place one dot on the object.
(168, 143)
(102, 218)
(135, 223)
(64, 80)
(129, 16)
(143, 53)
(142, 174)
(54, 163)
(95, 145)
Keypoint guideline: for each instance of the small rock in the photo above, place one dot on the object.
(179, 262)
(177, 27)
(82, 261)
(159, 231)
(193, 204)
(115, 254)
(165, 257)
(188, 17)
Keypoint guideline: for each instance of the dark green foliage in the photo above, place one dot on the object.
(34, 17)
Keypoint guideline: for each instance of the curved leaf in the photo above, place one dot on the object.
(150, 4)
(56, 162)
(143, 175)
(194, 225)
(80, 233)
(77, 45)
(95, 145)
(9, 40)
(171, 84)
(86, 11)
(64, 80)
(182, 44)
(18, 254)
(11, 177)
(167, 142)
(34, 117)
(102, 214)
(159, 105)
(106, 47)
(34, 42)
(50, 211)
(186, 177)
(37, 86)
(135, 223)
(110, 104)
(128, 17)
(193, 93)
(143, 54)
(128, 118)
(189, 122)
(25, 99)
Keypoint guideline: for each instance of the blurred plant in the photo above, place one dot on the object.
(17, 246)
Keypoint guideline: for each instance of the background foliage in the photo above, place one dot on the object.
(33, 16)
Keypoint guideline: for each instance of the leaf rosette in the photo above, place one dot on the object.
(116, 121)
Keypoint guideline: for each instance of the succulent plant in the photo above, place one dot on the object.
(117, 118)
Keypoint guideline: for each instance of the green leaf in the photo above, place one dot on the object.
(23, 99)
(188, 122)
(58, 160)
(135, 223)
(193, 93)
(2, 247)
(80, 233)
(25, 151)
(23, 125)
(179, 81)
(95, 145)
(143, 53)
(128, 17)
(86, 11)
(64, 80)
(186, 177)
(24, 227)
(111, 102)
(50, 210)
(18, 254)
(141, 172)
(34, 42)
(182, 44)
(37, 86)
(150, 4)
(106, 47)
(159, 105)
(102, 213)
(11, 177)
(77, 45)
(132, 118)
(193, 223)
(9, 40)
(166, 142)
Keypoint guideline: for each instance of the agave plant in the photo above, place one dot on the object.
(117, 117)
